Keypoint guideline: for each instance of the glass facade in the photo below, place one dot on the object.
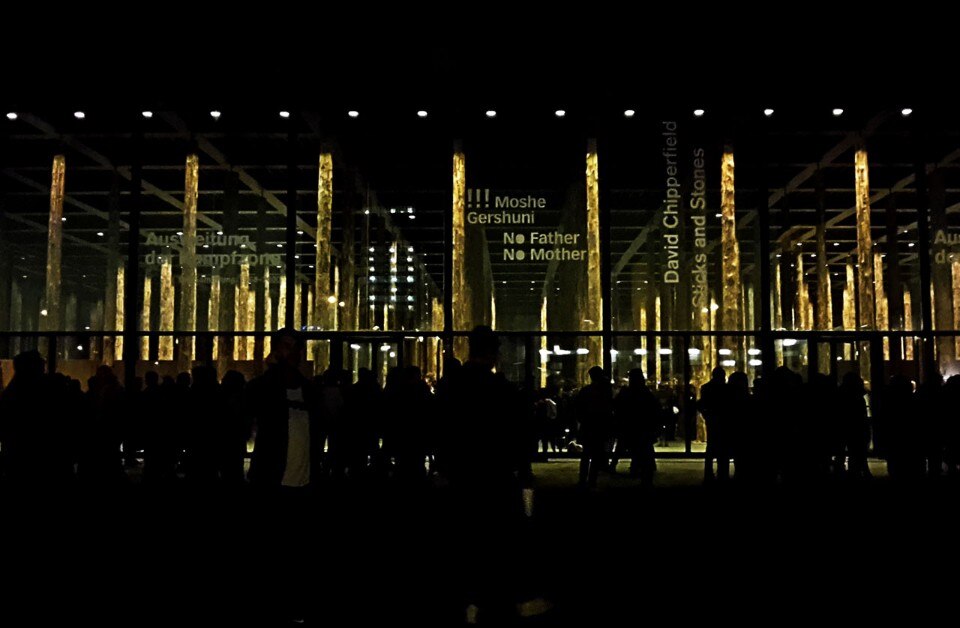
(664, 240)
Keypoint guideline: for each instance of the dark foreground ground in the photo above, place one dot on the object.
(375, 555)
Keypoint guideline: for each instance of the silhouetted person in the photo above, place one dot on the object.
(233, 429)
(738, 417)
(100, 462)
(488, 462)
(34, 427)
(159, 452)
(284, 466)
(713, 405)
(332, 424)
(932, 417)
(364, 410)
(200, 434)
(594, 407)
(411, 405)
(639, 421)
(951, 425)
(904, 451)
(852, 409)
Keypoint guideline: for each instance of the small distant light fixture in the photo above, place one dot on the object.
(753, 351)
(43, 312)
(100, 234)
(728, 363)
(331, 299)
(279, 246)
(79, 347)
(718, 215)
(789, 342)
(725, 352)
(12, 115)
(693, 351)
(911, 244)
(284, 114)
(86, 327)
(371, 249)
(422, 113)
(666, 351)
(79, 115)
(341, 304)
(355, 347)
(768, 112)
(837, 112)
(560, 113)
(755, 362)
(698, 112)
(393, 210)
(353, 113)
(179, 233)
(409, 249)
(215, 114)
(219, 233)
(147, 114)
(206, 246)
(906, 111)
(583, 351)
(836, 244)
(491, 113)
(294, 257)
(629, 113)
(409, 210)
(311, 265)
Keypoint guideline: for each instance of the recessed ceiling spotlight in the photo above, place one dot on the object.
(215, 114)
(422, 113)
(79, 115)
(560, 113)
(838, 112)
(353, 114)
(491, 113)
(698, 112)
(284, 114)
(629, 113)
(12, 115)
(906, 111)
(146, 114)
(768, 112)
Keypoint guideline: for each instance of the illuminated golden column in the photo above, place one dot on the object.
(731, 251)
(213, 314)
(656, 327)
(544, 358)
(251, 342)
(241, 294)
(51, 321)
(955, 273)
(849, 305)
(594, 296)
(461, 289)
(824, 307)
(145, 317)
(907, 323)
(118, 323)
(298, 307)
(267, 311)
(493, 311)
(282, 301)
(775, 296)
(803, 296)
(188, 263)
(323, 310)
(883, 316)
(867, 320)
(166, 308)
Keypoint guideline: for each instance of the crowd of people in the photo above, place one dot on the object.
(196, 428)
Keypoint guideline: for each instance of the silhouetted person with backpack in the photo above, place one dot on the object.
(638, 417)
(713, 405)
(594, 408)
(852, 409)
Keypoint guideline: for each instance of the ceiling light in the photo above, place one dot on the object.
(353, 114)
(768, 112)
(147, 114)
(284, 114)
(698, 112)
(215, 114)
(629, 113)
(79, 115)
(491, 113)
(838, 112)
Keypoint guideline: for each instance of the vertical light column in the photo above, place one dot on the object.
(730, 250)
(594, 297)
(776, 305)
(118, 321)
(882, 312)
(242, 298)
(907, 323)
(267, 312)
(955, 273)
(145, 317)
(51, 321)
(544, 358)
(188, 263)
(849, 306)
(323, 310)
(656, 327)
(461, 290)
(213, 314)
(250, 341)
(867, 320)
(803, 295)
(166, 308)
(282, 301)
